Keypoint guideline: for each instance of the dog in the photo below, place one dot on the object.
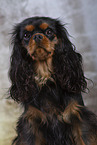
(47, 78)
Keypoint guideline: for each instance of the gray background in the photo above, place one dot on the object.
(81, 19)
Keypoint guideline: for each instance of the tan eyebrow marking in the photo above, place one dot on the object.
(29, 27)
(44, 26)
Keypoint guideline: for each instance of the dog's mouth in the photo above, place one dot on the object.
(41, 53)
(42, 48)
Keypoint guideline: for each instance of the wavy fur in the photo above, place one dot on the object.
(54, 114)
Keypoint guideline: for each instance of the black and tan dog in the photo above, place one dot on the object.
(47, 79)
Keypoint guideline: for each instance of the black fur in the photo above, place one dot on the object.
(69, 83)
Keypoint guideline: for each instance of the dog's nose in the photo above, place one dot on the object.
(38, 37)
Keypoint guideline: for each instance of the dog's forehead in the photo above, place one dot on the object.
(43, 23)
(31, 27)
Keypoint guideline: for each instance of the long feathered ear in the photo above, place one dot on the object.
(68, 63)
(23, 87)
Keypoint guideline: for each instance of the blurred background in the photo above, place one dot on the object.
(81, 19)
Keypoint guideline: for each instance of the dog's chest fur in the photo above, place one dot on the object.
(43, 71)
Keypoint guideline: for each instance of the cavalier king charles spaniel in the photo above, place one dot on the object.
(47, 79)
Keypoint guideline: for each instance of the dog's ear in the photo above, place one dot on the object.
(21, 71)
(68, 63)
(15, 59)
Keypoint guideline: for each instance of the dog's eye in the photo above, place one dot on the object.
(27, 36)
(49, 32)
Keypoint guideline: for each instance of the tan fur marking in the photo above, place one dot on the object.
(34, 113)
(78, 134)
(45, 43)
(44, 26)
(43, 71)
(31, 115)
(29, 28)
(72, 109)
(93, 138)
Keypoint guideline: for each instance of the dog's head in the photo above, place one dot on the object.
(38, 36)
(39, 39)
(42, 51)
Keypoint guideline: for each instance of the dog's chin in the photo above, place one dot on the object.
(41, 54)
